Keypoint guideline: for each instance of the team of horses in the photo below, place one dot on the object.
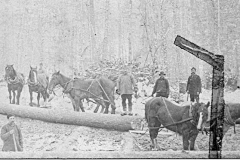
(185, 120)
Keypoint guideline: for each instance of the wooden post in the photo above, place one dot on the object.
(217, 105)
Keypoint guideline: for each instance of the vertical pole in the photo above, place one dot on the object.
(217, 112)
(218, 30)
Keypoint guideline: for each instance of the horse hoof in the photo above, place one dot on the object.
(123, 114)
(105, 112)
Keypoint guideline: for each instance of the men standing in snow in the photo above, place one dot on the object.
(11, 136)
(125, 87)
(161, 86)
(194, 86)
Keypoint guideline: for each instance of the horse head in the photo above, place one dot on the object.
(202, 115)
(33, 74)
(10, 72)
(55, 80)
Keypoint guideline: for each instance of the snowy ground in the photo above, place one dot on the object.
(43, 136)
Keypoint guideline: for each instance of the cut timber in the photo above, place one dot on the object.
(105, 121)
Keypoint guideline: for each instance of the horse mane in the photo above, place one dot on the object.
(29, 76)
(14, 72)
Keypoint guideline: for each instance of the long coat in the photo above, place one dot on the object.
(194, 84)
(161, 86)
(8, 143)
(126, 84)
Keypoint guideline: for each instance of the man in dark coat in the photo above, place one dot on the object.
(161, 86)
(11, 136)
(194, 86)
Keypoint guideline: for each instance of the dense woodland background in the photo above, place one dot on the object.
(72, 35)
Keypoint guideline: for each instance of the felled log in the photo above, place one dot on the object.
(105, 121)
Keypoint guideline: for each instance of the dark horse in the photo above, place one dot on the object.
(101, 90)
(39, 84)
(15, 82)
(231, 114)
(176, 118)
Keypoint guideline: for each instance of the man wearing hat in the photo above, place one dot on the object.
(11, 136)
(161, 86)
(126, 85)
(194, 86)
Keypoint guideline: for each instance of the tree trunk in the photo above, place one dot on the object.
(111, 122)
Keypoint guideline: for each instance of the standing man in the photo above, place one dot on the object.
(161, 86)
(125, 87)
(194, 86)
(11, 136)
(41, 70)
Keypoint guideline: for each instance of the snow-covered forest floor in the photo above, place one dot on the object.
(43, 136)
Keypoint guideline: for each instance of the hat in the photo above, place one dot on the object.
(162, 73)
(9, 115)
(193, 68)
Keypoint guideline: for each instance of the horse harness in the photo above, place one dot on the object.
(174, 123)
(65, 90)
(15, 81)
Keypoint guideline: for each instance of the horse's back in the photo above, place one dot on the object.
(107, 82)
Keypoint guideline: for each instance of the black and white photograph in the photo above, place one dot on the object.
(120, 79)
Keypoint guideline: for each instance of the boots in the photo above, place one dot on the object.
(130, 110)
(124, 111)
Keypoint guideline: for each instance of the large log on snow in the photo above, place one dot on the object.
(105, 121)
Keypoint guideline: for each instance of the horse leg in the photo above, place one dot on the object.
(14, 95)
(193, 138)
(154, 126)
(10, 95)
(101, 102)
(31, 97)
(185, 137)
(81, 106)
(77, 103)
(44, 95)
(96, 109)
(38, 98)
(111, 99)
(18, 96)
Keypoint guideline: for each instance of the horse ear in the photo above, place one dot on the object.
(58, 72)
(12, 65)
(30, 67)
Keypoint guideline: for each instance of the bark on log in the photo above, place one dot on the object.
(105, 121)
(116, 154)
